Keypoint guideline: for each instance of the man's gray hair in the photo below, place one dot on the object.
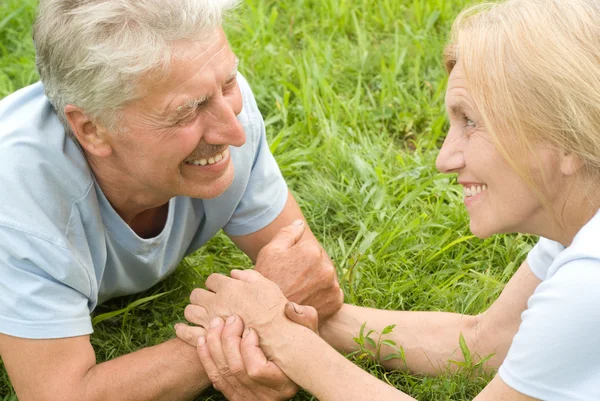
(93, 53)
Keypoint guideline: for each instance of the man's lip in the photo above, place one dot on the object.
(191, 159)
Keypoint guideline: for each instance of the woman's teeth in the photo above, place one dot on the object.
(210, 160)
(474, 190)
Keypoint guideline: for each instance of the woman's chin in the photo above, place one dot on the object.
(480, 230)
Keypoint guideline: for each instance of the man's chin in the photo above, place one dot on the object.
(214, 188)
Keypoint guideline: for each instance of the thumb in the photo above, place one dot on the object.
(288, 236)
(304, 315)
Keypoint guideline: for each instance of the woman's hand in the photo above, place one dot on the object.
(258, 301)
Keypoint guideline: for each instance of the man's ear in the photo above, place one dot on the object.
(92, 136)
(569, 163)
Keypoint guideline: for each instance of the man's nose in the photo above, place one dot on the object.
(222, 125)
(451, 157)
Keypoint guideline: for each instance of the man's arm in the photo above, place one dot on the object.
(431, 339)
(305, 274)
(251, 244)
(66, 369)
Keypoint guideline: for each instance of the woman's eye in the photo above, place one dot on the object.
(469, 126)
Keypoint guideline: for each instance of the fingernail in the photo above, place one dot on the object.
(215, 322)
(246, 333)
(201, 341)
(230, 320)
(298, 222)
(176, 325)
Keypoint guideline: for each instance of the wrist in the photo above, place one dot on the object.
(340, 330)
(280, 345)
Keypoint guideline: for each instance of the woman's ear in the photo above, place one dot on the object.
(569, 163)
(92, 136)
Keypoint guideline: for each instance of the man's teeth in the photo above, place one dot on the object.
(210, 160)
(474, 190)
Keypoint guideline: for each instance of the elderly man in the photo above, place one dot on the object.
(141, 142)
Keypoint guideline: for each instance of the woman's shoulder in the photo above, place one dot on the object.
(584, 251)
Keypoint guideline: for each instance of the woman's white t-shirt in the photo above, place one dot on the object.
(555, 355)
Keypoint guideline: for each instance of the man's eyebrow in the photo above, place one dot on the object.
(192, 104)
(234, 71)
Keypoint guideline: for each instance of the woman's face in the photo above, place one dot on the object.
(497, 199)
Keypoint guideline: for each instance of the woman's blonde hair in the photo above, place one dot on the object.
(533, 69)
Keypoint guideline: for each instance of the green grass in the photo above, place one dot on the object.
(352, 95)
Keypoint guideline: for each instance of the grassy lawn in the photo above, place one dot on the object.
(352, 95)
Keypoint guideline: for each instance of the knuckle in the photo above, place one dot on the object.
(194, 295)
(218, 384)
(255, 372)
(237, 370)
(313, 252)
(330, 276)
(224, 370)
(215, 378)
(192, 314)
(188, 313)
(265, 250)
(289, 391)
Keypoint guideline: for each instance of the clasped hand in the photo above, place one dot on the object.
(256, 306)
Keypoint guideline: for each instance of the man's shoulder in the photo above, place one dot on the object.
(42, 170)
(250, 117)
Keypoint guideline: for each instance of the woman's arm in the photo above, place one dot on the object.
(310, 362)
(302, 355)
(431, 339)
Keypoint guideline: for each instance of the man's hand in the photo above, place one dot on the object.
(302, 270)
(237, 366)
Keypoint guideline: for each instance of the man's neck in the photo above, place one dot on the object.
(145, 216)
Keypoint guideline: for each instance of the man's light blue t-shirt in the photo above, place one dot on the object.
(64, 249)
(555, 355)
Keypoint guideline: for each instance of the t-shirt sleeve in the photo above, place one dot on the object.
(555, 353)
(266, 191)
(542, 255)
(44, 292)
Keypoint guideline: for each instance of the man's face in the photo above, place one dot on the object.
(178, 134)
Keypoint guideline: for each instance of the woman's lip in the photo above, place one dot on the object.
(469, 200)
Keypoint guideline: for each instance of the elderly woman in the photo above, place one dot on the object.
(523, 100)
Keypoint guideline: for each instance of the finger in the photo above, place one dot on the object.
(189, 334)
(231, 338)
(258, 367)
(212, 372)
(248, 276)
(196, 314)
(215, 347)
(216, 282)
(304, 315)
(200, 296)
(288, 236)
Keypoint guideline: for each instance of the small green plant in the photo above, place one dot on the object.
(370, 348)
(472, 365)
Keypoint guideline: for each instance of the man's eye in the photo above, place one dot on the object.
(186, 120)
(229, 85)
